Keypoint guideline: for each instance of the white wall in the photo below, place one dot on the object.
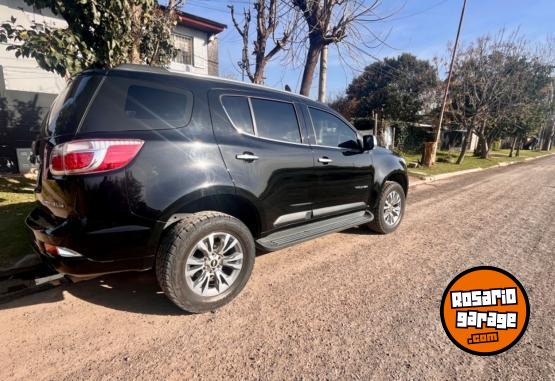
(24, 74)
(200, 51)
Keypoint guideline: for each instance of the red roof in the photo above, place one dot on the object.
(196, 22)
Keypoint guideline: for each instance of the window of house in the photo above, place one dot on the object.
(330, 130)
(239, 112)
(276, 120)
(184, 46)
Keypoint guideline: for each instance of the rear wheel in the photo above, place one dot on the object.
(389, 209)
(205, 260)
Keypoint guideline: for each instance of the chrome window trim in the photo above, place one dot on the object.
(254, 127)
(332, 114)
(253, 119)
(229, 117)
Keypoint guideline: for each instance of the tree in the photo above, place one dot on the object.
(333, 22)
(496, 91)
(269, 24)
(345, 106)
(100, 34)
(398, 89)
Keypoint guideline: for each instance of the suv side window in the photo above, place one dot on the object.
(330, 130)
(129, 104)
(239, 111)
(276, 120)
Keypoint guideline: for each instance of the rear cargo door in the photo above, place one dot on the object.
(59, 126)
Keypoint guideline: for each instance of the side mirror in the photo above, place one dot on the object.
(350, 145)
(369, 142)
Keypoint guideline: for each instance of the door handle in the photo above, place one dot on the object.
(324, 160)
(247, 156)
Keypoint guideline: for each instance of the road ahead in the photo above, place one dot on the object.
(351, 304)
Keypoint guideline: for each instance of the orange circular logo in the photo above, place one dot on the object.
(485, 310)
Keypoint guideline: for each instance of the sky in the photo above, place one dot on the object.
(421, 27)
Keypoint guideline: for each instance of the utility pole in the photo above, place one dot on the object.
(430, 149)
(323, 75)
(322, 84)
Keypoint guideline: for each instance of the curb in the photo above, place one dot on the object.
(425, 179)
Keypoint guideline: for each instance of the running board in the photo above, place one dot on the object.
(298, 234)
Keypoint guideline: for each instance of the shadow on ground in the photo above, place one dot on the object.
(359, 230)
(136, 292)
(132, 292)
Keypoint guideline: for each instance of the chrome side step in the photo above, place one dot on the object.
(288, 237)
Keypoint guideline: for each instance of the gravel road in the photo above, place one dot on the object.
(350, 305)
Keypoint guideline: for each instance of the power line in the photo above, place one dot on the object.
(418, 12)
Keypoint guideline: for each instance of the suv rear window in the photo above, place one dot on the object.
(68, 107)
(124, 104)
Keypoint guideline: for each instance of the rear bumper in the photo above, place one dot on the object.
(81, 267)
(117, 249)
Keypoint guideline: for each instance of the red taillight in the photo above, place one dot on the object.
(92, 156)
(51, 249)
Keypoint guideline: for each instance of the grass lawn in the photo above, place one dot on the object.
(16, 201)
(470, 162)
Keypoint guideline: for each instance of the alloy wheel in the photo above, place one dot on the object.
(392, 208)
(214, 264)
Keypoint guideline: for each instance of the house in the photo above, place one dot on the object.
(196, 39)
(27, 91)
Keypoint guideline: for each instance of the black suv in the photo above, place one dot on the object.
(143, 168)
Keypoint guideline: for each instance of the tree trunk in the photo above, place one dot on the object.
(464, 147)
(134, 50)
(513, 145)
(309, 67)
(323, 75)
(483, 148)
(490, 143)
(549, 133)
(428, 154)
(260, 45)
(258, 76)
(518, 147)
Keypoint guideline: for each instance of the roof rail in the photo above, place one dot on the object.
(168, 71)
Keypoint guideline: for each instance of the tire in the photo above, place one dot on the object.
(380, 224)
(179, 252)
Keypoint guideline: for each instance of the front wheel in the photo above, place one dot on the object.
(389, 209)
(205, 260)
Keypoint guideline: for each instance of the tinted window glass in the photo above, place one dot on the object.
(239, 111)
(276, 120)
(69, 106)
(149, 103)
(330, 130)
(126, 104)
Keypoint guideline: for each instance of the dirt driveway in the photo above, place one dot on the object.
(349, 305)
